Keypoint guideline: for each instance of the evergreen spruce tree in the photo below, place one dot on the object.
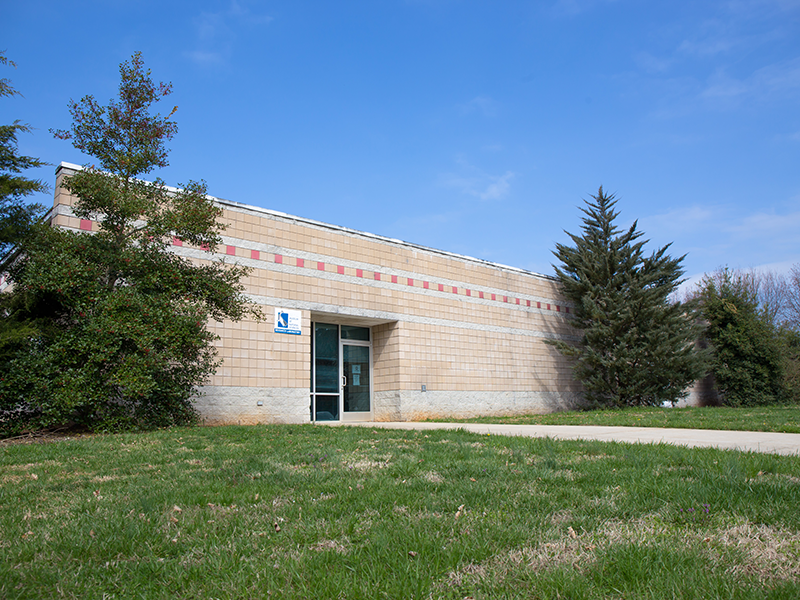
(636, 347)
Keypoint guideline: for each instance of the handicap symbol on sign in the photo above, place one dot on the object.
(283, 319)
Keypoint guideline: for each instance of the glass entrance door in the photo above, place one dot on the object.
(341, 373)
(356, 403)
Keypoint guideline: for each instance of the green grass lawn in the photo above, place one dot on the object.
(785, 419)
(323, 512)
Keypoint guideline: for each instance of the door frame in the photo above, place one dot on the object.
(354, 416)
(351, 417)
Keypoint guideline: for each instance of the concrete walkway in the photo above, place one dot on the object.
(748, 441)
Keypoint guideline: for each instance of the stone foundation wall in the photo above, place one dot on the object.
(227, 405)
(418, 405)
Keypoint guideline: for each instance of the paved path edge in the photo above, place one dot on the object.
(746, 441)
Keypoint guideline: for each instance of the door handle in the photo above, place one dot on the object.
(344, 381)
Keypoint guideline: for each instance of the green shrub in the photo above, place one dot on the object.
(747, 350)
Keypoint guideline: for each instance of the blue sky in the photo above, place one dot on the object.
(471, 126)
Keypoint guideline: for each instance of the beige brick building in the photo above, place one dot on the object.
(363, 327)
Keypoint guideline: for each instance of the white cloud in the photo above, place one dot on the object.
(723, 87)
(679, 221)
(714, 61)
(206, 58)
(571, 8)
(707, 47)
(719, 235)
(652, 64)
(780, 76)
(768, 226)
(716, 35)
(210, 26)
(741, 24)
(776, 79)
(480, 185)
(480, 104)
(498, 187)
(216, 32)
(781, 268)
(750, 8)
(242, 12)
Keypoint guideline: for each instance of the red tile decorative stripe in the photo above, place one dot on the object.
(340, 269)
(86, 225)
(176, 241)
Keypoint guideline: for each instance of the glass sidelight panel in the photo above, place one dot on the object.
(355, 369)
(325, 384)
(327, 407)
(326, 359)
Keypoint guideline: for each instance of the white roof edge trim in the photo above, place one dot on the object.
(382, 238)
(277, 213)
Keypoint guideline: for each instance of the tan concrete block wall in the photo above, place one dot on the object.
(459, 352)
(254, 356)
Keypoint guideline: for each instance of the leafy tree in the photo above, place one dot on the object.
(791, 352)
(792, 302)
(121, 320)
(636, 347)
(749, 350)
(16, 216)
(791, 326)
